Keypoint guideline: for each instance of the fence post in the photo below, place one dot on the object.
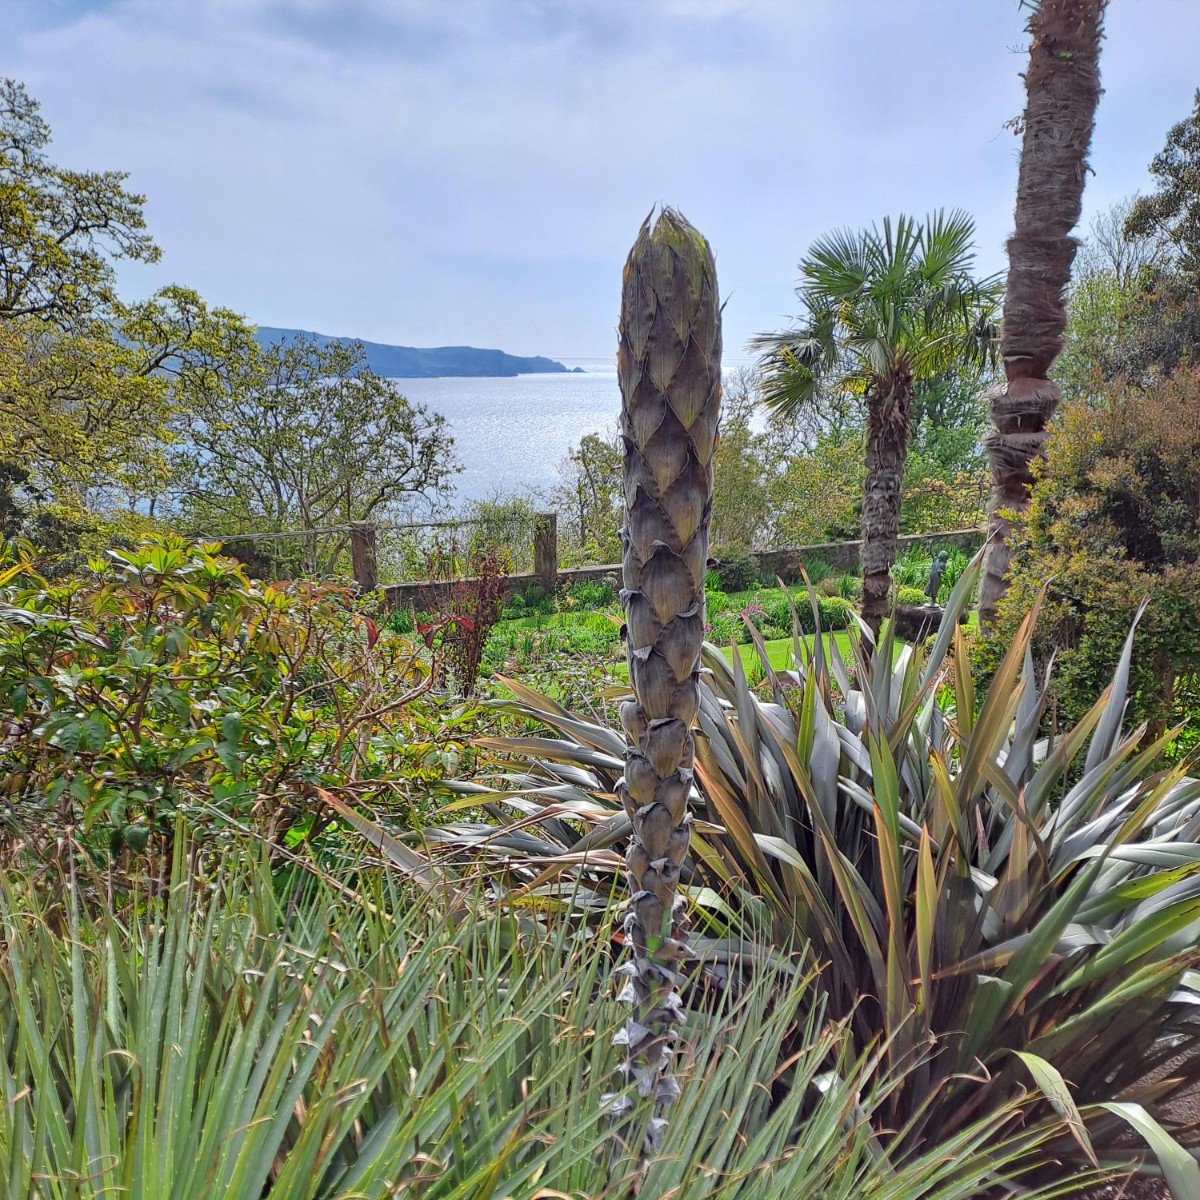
(545, 551)
(362, 554)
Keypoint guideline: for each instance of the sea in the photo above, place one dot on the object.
(511, 435)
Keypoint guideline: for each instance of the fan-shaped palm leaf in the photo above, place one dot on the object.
(886, 308)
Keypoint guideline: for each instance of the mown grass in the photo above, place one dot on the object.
(780, 650)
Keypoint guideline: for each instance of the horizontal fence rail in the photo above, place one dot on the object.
(387, 556)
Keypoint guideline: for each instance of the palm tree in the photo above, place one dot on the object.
(669, 367)
(1062, 89)
(886, 310)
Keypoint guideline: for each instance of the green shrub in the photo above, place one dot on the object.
(1016, 937)
(770, 613)
(836, 613)
(755, 612)
(169, 683)
(513, 609)
(833, 611)
(728, 627)
(817, 570)
(1114, 521)
(911, 568)
(736, 569)
(911, 595)
(589, 595)
(778, 611)
(849, 586)
(534, 598)
(400, 620)
(516, 650)
(715, 601)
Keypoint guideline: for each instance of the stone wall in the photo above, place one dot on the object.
(841, 556)
(844, 556)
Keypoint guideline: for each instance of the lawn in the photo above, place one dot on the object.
(591, 631)
(780, 651)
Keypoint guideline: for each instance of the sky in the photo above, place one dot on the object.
(432, 172)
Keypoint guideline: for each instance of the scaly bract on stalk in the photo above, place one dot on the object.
(669, 366)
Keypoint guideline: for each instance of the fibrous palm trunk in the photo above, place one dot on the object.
(889, 411)
(1062, 90)
(669, 366)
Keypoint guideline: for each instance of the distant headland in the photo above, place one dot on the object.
(409, 362)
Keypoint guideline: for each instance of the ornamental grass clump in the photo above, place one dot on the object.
(254, 1033)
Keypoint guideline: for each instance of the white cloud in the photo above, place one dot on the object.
(474, 170)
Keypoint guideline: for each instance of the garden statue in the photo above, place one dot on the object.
(935, 577)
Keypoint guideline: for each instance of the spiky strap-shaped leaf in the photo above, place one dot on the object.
(669, 365)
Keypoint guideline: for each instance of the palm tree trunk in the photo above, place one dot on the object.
(1062, 89)
(669, 367)
(888, 417)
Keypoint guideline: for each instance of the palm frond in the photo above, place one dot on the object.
(796, 364)
(901, 292)
(837, 267)
(947, 245)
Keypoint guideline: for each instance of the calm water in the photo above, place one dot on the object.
(512, 434)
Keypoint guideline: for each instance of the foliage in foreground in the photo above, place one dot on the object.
(167, 682)
(1003, 912)
(242, 1034)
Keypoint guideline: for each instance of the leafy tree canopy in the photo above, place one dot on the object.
(304, 438)
(591, 500)
(1133, 310)
(88, 409)
(1173, 211)
(60, 229)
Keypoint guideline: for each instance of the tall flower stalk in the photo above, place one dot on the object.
(669, 368)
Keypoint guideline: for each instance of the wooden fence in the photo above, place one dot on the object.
(786, 562)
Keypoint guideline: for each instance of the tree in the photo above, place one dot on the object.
(1173, 212)
(60, 229)
(90, 387)
(749, 469)
(742, 512)
(887, 309)
(590, 498)
(87, 409)
(1062, 88)
(1131, 310)
(945, 473)
(669, 367)
(307, 438)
